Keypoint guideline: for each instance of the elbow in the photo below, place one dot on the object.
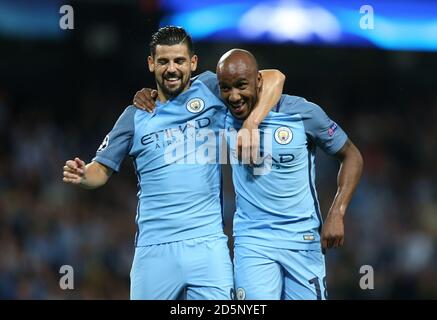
(274, 75)
(359, 161)
(280, 77)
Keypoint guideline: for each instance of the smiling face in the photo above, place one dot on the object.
(239, 82)
(172, 66)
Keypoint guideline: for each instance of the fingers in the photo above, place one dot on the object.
(335, 242)
(329, 242)
(145, 105)
(145, 99)
(339, 242)
(244, 154)
(139, 102)
(73, 181)
(70, 165)
(248, 146)
(139, 105)
(73, 171)
(239, 147)
(254, 147)
(70, 175)
(75, 166)
(80, 163)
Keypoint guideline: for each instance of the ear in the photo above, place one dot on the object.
(259, 80)
(151, 63)
(193, 62)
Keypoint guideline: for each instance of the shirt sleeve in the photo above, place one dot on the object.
(327, 134)
(210, 80)
(118, 141)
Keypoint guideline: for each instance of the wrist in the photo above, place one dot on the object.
(337, 212)
(251, 122)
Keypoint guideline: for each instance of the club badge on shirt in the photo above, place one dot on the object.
(195, 105)
(283, 135)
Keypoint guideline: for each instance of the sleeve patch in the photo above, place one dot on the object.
(332, 128)
(104, 144)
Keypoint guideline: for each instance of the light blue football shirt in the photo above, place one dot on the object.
(280, 208)
(179, 198)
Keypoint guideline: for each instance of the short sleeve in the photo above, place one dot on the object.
(326, 133)
(118, 142)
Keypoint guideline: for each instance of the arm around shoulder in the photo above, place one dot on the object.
(272, 84)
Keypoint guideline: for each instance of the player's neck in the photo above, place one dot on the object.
(162, 97)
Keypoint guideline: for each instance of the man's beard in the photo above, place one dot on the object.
(171, 93)
(175, 91)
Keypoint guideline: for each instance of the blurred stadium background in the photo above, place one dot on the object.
(62, 90)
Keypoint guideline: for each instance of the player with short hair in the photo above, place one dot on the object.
(278, 233)
(180, 246)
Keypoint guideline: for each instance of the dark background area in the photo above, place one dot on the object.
(59, 98)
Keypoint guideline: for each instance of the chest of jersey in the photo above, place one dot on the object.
(283, 142)
(176, 131)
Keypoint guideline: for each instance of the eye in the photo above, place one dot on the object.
(180, 61)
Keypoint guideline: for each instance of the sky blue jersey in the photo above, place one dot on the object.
(279, 207)
(179, 195)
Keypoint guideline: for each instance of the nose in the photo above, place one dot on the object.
(171, 67)
(234, 96)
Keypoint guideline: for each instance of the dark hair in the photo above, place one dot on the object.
(171, 35)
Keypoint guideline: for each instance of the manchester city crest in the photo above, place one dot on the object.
(195, 105)
(283, 135)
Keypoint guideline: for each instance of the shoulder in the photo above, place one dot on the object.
(295, 105)
(205, 77)
(130, 110)
(128, 115)
(208, 81)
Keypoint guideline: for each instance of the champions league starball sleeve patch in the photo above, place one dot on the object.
(104, 144)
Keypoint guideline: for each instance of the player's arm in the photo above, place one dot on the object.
(90, 176)
(270, 94)
(351, 166)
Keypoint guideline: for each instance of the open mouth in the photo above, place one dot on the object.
(172, 81)
(239, 109)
